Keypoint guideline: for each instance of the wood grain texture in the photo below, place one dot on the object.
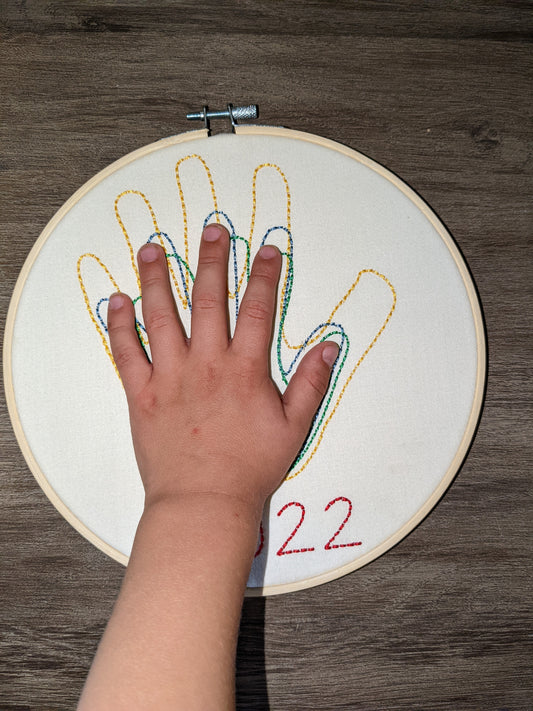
(440, 94)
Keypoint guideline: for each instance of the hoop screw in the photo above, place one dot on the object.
(234, 113)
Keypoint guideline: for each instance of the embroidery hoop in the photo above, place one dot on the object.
(308, 140)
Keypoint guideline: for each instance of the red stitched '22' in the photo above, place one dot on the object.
(330, 545)
(282, 550)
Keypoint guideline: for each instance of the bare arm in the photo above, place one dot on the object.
(213, 439)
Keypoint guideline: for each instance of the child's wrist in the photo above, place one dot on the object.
(204, 497)
(209, 513)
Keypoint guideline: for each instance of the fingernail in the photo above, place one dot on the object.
(212, 233)
(268, 252)
(330, 353)
(116, 301)
(149, 252)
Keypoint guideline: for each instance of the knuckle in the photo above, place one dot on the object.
(158, 318)
(210, 379)
(115, 327)
(264, 276)
(210, 376)
(256, 309)
(317, 381)
(251, 367)
(124, 357)
(151, 281)
(204, 301)
(146, 402)
(207, 258)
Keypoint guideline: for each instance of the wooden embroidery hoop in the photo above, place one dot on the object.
(476, 407)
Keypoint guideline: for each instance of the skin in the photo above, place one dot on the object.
(213, 439)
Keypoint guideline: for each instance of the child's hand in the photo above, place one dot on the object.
(213, 438)
(205, 415)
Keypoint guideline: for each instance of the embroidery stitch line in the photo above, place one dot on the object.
(282, 550)
(183, 202)
(323, 331)
(330, 545)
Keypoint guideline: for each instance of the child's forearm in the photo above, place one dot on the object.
(208, 403)
(177, 616)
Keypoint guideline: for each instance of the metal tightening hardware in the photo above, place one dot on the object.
(234, 113)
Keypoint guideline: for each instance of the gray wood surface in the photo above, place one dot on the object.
(439, 92)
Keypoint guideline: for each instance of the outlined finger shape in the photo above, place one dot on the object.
(196, 188)
(137, 221)
(270, 220)
(356, 323)
(138, 225)
(97, 284)
(271, 201)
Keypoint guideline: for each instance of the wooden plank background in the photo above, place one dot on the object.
(439, 92)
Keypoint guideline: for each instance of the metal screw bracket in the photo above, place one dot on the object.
(234, 113)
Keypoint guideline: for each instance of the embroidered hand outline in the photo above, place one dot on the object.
(287, 355)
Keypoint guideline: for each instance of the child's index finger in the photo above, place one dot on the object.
(130, 359)
(165, 332)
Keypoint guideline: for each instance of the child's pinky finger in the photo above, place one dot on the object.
(128, 354)
(309, 384)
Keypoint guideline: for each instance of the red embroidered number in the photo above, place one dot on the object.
(261, 541)
(282, 550)
(330, 545)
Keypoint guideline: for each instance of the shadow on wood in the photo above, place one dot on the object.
(252, 693)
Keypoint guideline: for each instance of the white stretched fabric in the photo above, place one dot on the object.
(403, 416)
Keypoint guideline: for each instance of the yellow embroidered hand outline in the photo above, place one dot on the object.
(287, 353)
